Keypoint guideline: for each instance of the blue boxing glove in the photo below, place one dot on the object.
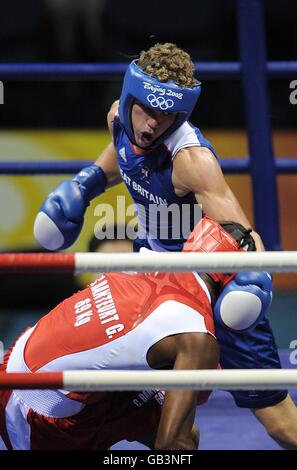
(61, 216)
(244, 301)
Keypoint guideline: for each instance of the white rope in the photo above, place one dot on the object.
(272, 261)
(239, 379)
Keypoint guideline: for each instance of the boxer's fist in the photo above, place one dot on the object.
(244, 301)
(61, 216)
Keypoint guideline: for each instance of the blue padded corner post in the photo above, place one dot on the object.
(253, 59)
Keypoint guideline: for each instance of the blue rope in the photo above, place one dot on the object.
(230, 166)
(87, 71)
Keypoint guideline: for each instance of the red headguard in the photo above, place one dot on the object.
(210, 236)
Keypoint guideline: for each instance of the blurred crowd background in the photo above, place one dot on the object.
(66, 119)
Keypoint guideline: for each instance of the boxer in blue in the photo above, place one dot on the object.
(166, 162)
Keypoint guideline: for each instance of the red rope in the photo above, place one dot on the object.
(23, 380)
(37, 262)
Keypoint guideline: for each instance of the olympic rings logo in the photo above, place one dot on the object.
(159, 102)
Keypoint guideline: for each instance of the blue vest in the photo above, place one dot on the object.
(165, 219)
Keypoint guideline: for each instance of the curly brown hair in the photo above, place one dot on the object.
(168, 62)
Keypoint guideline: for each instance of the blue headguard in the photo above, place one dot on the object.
(162, 96)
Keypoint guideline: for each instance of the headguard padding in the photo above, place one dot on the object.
(162, 96)
(210, 236)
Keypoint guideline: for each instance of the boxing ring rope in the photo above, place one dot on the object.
(97, 71)
(231, 166)
(84, 380)
(99, 380)
(77, 263)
